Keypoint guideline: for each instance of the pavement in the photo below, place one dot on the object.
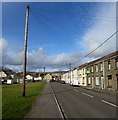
(45, 105)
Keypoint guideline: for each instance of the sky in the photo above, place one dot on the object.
(59, 33)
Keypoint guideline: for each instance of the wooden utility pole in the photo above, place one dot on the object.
(25, 50)
(70, 72)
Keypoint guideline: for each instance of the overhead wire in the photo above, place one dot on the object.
(105, 18)
(46, 28)
(59, 37)
(60, 25)
(53, 64)
(95, 48)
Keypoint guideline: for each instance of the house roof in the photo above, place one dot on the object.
(34, 73)
(8, 72)
(109, 56)
(99, 59)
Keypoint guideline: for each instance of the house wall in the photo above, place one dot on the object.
(105, 78)
(47, 77)
(74, 74)
(111, 84)
(2, 74)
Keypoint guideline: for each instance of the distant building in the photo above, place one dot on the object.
(8, 75)
(48, 77)
(29, 78)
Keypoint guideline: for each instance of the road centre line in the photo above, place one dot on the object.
(109, 103)
(75, 90)
(87, 95)
(101, 100)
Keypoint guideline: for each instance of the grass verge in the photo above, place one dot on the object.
(16, 106)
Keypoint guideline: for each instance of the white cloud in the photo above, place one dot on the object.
(3, 45)
(103, 28)
(37, 59)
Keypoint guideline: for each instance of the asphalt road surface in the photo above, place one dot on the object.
(77, 102)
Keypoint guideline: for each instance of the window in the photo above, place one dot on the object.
(92, 82)
(83, 71)
(92, 69)
(101, 67)
(109, 65)
(89, 80)
(96, 68)
(97, 81)
(109, 80)
(92, 78)
(83, 81)
(79, 72)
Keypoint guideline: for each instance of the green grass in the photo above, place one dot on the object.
(16, 106)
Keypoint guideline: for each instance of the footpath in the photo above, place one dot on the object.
(45, 105)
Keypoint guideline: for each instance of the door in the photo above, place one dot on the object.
(117, 81)
(102, 82)
(92, 82)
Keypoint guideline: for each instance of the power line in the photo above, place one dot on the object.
(96, 48)
(60, 47)
(59, 37)
(104, 18)
(58, 65)
(58, 24)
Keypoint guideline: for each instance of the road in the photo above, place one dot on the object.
(77, 102)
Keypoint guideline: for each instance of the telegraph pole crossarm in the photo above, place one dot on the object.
(25, 50)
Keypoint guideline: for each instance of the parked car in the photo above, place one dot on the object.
(57, 80)
(62, 81)
(75, 83)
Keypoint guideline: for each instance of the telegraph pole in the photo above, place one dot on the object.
(25, 50)
(44, 69)
(70, 72)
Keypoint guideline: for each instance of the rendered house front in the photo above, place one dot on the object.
(67, 77)
(82, 77)
(29, 78)
(48, 77)
(3, 74)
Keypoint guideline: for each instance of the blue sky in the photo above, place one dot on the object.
(51, 25)
(55, 29)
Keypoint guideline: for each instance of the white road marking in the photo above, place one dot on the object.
(75, 90)
(87, 95)
(109, 103)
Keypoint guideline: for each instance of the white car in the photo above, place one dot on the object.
(9, 82)
(75, 82)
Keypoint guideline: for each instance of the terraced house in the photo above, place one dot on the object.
(99, 74)
(82, 76)
(103, 72)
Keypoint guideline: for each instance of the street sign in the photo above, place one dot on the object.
(87, 72)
